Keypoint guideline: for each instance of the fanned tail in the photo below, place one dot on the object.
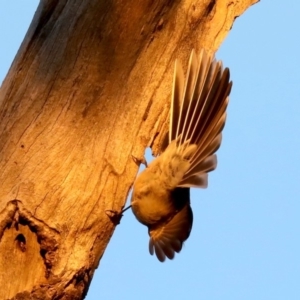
(198, 113)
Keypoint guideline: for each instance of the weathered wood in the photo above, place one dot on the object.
(89, 87)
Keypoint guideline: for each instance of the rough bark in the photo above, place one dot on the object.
(89, 87)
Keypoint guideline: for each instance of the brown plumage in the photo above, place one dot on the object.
(161, 196)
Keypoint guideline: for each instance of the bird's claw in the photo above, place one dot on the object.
(114, 216)
(139, 161)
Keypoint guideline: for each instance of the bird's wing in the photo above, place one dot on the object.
(198, 113)
(168, 239)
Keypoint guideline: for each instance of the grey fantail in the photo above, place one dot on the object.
(161, 193)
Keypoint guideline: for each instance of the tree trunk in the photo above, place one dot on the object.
(89, 88)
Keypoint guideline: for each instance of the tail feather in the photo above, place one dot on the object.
(189, 92)
(211, 139)
(198, 113)
(197, 177)
(201, 102)
(197, 181)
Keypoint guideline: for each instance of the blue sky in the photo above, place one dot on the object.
(245, 239)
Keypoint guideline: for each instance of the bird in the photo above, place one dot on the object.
(161, 192)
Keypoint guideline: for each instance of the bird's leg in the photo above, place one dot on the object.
(129, 206)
